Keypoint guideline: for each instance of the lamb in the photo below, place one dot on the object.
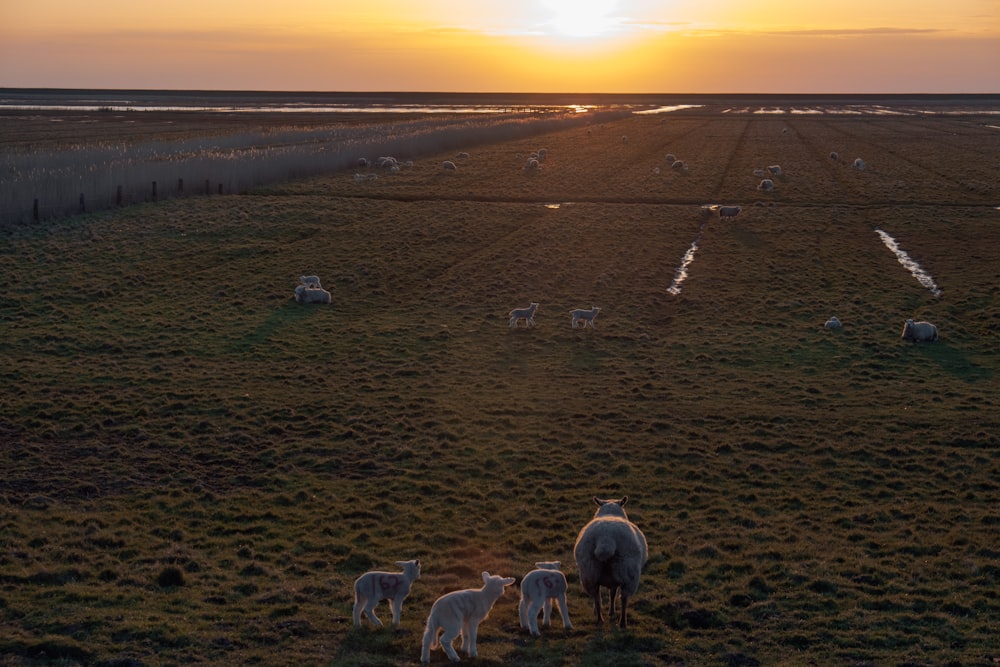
(460, 613)
(305, 294)
(834, 155)
(610, 551)
(833, 323)
(588, 316)
(448, 165)
(373, 587)
(541, 154)
(310, 281)
(671, 158)
(766, 185)
(775, 170)
(538, 589)
(462, 156)
(729, 211)
(859, 164)
(759, 173)
(679, 165)
(527, 314)
(533, 164)
(919, 331)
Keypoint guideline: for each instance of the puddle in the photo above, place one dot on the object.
(681, 274)
(915, 269)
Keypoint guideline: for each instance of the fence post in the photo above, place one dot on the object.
(220, 188)
(208, 187)
(180, 185)
(118, 196)
(83, 208)
(34, 210)
(154, 190)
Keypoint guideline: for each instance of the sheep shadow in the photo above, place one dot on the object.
(289, 314)
(953, 361)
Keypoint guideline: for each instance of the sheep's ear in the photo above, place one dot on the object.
(508, 581)
(486, 576)
(598, 501)
(623, 501)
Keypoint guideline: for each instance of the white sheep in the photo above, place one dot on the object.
(775, 170)
(832, 323)
(859, 164)
(527, 314)
(362, 162)
(759, 173)
(671, 158)
(311, 281)
(538, 590)
(584, 315)
(834, 155)
(305, 294)
(448, 165)
(460, 613)
(679, 165)
(533, 164)
(729, 211)
(610, 551)
(541, 154)
(373, 587)
(767, 185)
(919, 331)
(462, 156)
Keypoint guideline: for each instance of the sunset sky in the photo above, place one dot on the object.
(611, 46)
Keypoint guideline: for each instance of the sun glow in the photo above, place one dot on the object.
(580, 18)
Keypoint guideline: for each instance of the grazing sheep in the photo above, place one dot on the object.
(373, 587)
(310, 281)
(919, 331)
(305, 294)
(610, 551)
(834, 155)
(767, 185)
(859, 164)
(533, 164)
(462, 156)
(671, 158)
(538, 589)
(729, 211)
(460, 613)
(448, 165)
(775, 170)
(679, 165)
(359, 177)
(541, 154)
(527, 314)
(833, 323)
(362, 162)
(759, 173)
(588, 316)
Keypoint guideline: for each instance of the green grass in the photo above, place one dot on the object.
(196, 468)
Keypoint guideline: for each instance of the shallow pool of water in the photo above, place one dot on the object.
(909, 264)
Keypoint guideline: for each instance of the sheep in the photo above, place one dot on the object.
(358, 178)
(832, 323)
(775, 170)
(362, 162)
(538, 589)
(527, 314)
(679, 165)
(729, 211)
(919, 331)
(305, 294)
(759, 173)
(448, 165)
(834, 155)
(587, 316)
(541, 154)
(859, 164)
(610, 551)
(460, 613)
(533, 164)
(624, 138)
(310, 281)
(373, 587)
(767, 185)
(671, 158)
(462, 156)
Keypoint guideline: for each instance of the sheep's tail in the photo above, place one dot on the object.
(430, 638)
(605, 548)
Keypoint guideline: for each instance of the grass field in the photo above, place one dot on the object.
(196, 468)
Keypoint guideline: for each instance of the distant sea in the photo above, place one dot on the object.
(51, 99)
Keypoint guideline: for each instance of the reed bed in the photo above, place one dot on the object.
(196, 468)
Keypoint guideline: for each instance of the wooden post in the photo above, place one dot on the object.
(83, 208)
(208, 187)
(220, 188)
(180, 185)
(118, 196)
(34, 210)
(154, 190)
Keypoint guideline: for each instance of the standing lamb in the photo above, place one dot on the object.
(919, 331)
(610, 551)
(538, 589)
(373, 587)
(460, 613)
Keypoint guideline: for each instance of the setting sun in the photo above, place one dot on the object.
(580, 18)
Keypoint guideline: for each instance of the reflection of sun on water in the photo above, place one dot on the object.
(580, 18)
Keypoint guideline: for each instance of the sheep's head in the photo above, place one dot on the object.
(614, 508)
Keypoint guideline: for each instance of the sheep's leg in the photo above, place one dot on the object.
(533, 610)
(611, 608)
(564, 611)
(597, 606)
(370, 612)
(358, 604)
(397, 609)
(445, 642)
(546, 611)
(469, 635)
(623, 623)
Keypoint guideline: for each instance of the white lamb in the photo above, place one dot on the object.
(448, 165)
(586, 316)
(460, 613)
(310, 281)
(766, 185)
(373, 587)
(859, 164)
(527, 314)
(833, 323)
(538, 590)
(610, 551)
(775, 170)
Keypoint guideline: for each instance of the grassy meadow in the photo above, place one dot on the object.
(196, 468)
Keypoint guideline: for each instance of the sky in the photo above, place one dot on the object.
(558, 46)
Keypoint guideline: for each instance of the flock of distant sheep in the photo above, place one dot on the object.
(310, 291)
(610, 552)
